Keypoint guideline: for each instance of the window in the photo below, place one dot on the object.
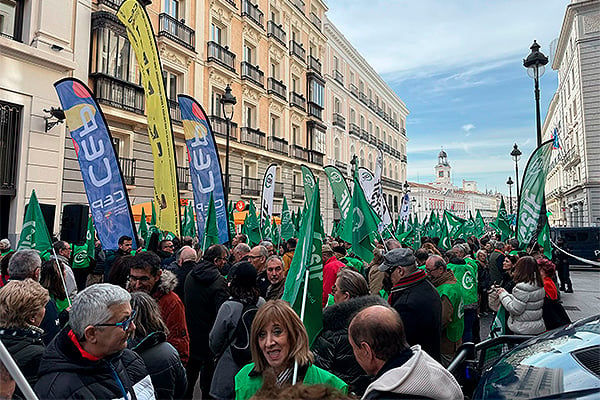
(362, 122)
(172, 8)
(249, 116)
(250, 169)
(371, 161)
(352, 116)
(361, 86)
(249, 53)
(217, 109)
(295, 84)
(295, 35)
(369, 94)
(441, 174)
(315, 92)
(337, 106)
(362, 158)
(396, 172)
(274, 14)
(377, 132)
(171, 82)
(351, 79)
(10, 138)
(117, 142)
(11, 19)
(336, 149)
(370, 127)
(217, 34)
(275, 126)
(317, 137)
(114, 56)
(274, 70)
(296, 135)
(336, 64)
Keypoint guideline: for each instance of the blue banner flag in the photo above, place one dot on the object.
(102, 177)
(205, 168)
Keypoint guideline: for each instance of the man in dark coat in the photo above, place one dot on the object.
(415, 299)
(185, 264)
(205, 291)
(90, 360)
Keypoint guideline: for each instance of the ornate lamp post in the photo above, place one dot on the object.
(227, 102)
(510, 182)
(516, 155)
(535, 64)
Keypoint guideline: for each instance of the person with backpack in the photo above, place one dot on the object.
(229, 338)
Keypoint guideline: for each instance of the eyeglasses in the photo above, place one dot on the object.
(124, 324)
(138, 278)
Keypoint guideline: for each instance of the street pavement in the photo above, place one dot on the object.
(583, 302)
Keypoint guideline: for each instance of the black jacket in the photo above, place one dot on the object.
(163, 364)
(332, 349)
(181, 272)
(66, 374)
(26, 348)
(205, 290)
(420, 307)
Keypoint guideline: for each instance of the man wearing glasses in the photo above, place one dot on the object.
(91, 360)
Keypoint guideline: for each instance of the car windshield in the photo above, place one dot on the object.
(558, 362)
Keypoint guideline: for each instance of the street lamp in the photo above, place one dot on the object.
(535, 64)
(406, 187)
(227, 102)
(510, 182)
(516, 155)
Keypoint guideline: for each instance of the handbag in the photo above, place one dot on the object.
(554, 314)
(493, 299)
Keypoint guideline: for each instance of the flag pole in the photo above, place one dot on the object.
(304, 295)
(15, 373)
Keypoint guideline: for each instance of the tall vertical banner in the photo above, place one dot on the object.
(374, 194)
(166, 192)
(309, 182)
(101, 173)
(405, 208)
(340, 189)
(205, 168)
(532, 192)
(268, 192)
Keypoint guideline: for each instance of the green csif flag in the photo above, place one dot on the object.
(479, 225)
(35, 232)
(308, 257)
(544, 240)
(502, 224)
(189, 226)
(309, 182)
(275, 234)
(251, 225)
(231, 221)
(360, 226)
(143, 229)
(211, 232)
(287, 224)
(153, 217)
(444, 243)
(84, 254)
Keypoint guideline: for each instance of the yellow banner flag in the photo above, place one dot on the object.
(166, 194)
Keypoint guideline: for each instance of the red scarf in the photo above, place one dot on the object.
(84, 353)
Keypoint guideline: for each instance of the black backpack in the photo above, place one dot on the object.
(240, 342)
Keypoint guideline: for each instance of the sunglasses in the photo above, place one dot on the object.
(124, 324)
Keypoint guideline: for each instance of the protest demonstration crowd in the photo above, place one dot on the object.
(170, 320)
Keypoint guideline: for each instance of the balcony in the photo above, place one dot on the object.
(353, 89)
(315, 157)
(277, 88)
(183, 178)
(219, 127)
(315, 110)
(128, 170)
(251, 186)
(337, 75)
(297, 192)
(403, 131)
(299, 4)
(354, 129)
(363, 97)
(297, 100)
(278, 145)
(253, 137)
(176, 30)
(299, 152)
(276, 32)
(364, 135)
(174, 111)
(115, 4)
(316, 21)
(297, 50)
(253, 74)
(252, 11)
(118, 93)
(339, 120)
(278, 189)
(342, 166)
(221, 55)
(314, 64)
(372, 140)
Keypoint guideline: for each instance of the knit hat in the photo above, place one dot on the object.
(243, 274)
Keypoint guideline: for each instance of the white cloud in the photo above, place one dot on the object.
(467, 129)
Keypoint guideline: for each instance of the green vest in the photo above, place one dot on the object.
(468, 281)
(454, 330)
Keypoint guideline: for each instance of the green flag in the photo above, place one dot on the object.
(479, 225)
(360, 226)
(211, 232)
(82, 255)
(189, 226)
(231, 221)
(454, 223)
(308, 257)
(275, 238)
(252, 226)
(399, 226)
(153, 217)
(35, 232)
(143, 229)
(309, 182)
(502, 225)
(544, 240)
(445, 243)
(287, 226)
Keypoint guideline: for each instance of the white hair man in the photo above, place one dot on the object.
(91, 360)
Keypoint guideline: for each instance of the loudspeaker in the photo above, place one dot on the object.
(74, 223)
(48, 211)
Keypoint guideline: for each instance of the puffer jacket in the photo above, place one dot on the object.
(163, 364)
(26, 348)
(68, 372)
(525, 308)
(332, 349)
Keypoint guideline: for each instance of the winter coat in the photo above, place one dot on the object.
(419, 377)
(275, 291)
(51, 322)
(287, 260)
(220, 339)
(181, 272)
(262, 283)
(330, 270)
(248, 381)
(26, 347)
(68, 372)
(420, 308)
(525, 308)
(205, 292)
(163, 364)
(495, 266)
(332, 349)
(172, 312)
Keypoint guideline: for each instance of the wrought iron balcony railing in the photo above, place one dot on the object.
(183, 178)
(219, 127)
(314, 64)
(118, 93)
(299, 4)
(252, 11)
(277, 88)
(315, 110)
(299, 152)
(128, 169)
(315, 157)
(174, 111)
(278, 145)
(221, 55)
(339, 120)
(316, 21)
(253, 73)
(296, 99)
(276, 32)
(297, 50)
(354, 129)
(176, 30)
(251, 186)
(253, 137)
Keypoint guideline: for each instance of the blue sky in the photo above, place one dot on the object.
(458, 66)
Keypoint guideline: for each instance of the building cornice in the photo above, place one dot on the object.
(567, 26)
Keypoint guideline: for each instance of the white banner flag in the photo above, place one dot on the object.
(268, 192)
(374, 195)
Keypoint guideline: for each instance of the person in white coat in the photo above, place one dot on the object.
(526, 302)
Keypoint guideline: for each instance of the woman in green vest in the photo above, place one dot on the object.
(279, 341)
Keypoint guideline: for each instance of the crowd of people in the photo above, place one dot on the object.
(174, 322)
